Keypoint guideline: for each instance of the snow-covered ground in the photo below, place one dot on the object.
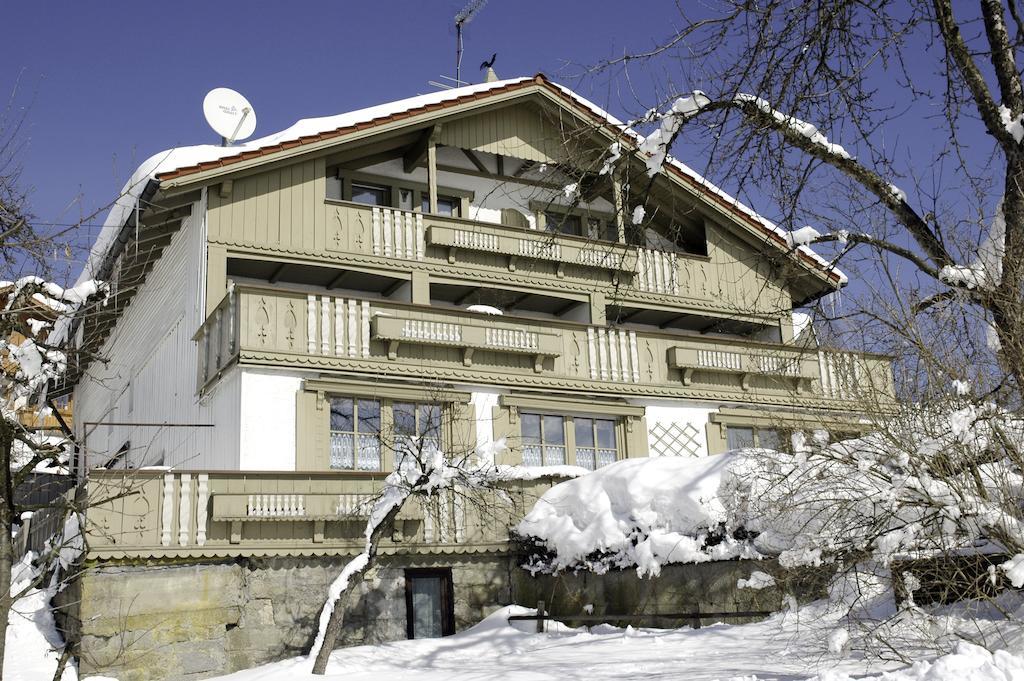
(32, 636)
(784, 647)
(777, 649)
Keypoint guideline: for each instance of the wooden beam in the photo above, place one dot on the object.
(632, 314)
(501, 164)
(277, 273)
(565, 308)
(515, 303)
(431, 177)
(420, 148)
(390, 290)
(501, 178)
(679, 317)
(462, 299)
(475, 160)
(527, 165)
(337, 280)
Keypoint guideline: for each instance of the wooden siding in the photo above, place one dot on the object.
(150, 373)
(521, 132)
(328, 333)
(197, 513)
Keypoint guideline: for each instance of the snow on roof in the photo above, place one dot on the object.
(179, 159)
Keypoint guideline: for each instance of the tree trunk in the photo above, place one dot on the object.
(336, 622)
(337, 619)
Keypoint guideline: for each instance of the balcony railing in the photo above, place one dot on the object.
(277, 327)
(518, 243)
(142, 513)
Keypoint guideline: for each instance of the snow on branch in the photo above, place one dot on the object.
(986, 271)
(657, 143)
(424, 473)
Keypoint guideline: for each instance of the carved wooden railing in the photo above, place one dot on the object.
(287, 328)
(139, 513)
(525, 244)
(218, 339)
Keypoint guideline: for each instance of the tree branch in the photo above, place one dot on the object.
(957, 49)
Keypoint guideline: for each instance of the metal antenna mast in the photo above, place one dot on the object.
(464, 16)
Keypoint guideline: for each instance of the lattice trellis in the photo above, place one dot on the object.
(674, 439)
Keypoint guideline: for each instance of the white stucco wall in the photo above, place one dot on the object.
(484, 402)
(662, 415)
(267, 423)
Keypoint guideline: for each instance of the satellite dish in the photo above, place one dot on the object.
(229, 114)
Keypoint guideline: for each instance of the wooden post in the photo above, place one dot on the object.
(540, 617)
(432, 176)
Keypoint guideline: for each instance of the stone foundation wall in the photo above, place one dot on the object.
(699, 587)
(193, 621)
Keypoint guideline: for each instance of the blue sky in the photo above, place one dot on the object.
(104, 85)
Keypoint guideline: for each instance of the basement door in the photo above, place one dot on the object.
(429, 606)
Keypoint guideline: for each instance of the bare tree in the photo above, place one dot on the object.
(444, 477)
(32, 357)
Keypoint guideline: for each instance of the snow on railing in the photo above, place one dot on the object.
(397, 233)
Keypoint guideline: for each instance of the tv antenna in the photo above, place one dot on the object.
(229, 114)
(464, 16)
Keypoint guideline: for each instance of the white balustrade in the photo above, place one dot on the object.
(613, 355)
(513, 339)
(337, 326)
(415, 329)
(657, 271)
(397, 233)
(548, 250)
(720, 359)
(476, 241)
(276, 506)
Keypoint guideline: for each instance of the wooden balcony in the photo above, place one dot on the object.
(157, 513)
(264, 326)
(355, 235)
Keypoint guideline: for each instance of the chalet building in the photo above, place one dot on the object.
(478, 266)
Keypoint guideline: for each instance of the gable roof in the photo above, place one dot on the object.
(177, 164)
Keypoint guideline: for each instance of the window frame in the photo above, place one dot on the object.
(461, 198)
(387, 431)
(355, 433)
(570, 445)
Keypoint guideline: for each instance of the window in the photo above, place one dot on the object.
(543, 440)
(446, 205)
(563, 223)
(594, 442)
(355, 434)
(371, 195)
(417, 429)
(739, 437)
